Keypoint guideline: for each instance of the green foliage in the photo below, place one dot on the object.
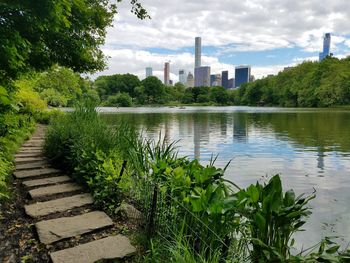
(119, 100)
(152, 91)
(38, 34)
(54, 98)
(14, 129)
(272, 217)
(310, 84)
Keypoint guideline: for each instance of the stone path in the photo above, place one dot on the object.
(53, 198)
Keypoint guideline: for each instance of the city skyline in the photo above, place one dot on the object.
(268, 35)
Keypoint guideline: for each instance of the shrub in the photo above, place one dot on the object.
(54, 98)
(119, 100)
(29, 101)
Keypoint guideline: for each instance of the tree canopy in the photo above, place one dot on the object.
(310, 84)
(36, 34)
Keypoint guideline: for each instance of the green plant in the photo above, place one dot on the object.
(272, 217)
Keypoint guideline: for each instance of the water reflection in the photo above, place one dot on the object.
(310, 148)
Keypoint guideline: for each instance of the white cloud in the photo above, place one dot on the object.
(230, 26)
(252, 24)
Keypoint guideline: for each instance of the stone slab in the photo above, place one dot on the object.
(53, 230)
(113, 247)
(33, 143)
(35, 173)
(54, 189)
(30, 148)
(27, 155)
(22, 160)
(32, 165)
(58, 205)
(46, 181)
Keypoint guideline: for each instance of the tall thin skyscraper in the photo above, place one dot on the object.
(326, 46)
(167, 73)
(224, 79)
(198, 52)
(149, 72)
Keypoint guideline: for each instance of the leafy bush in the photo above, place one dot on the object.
(14, 129)
(29, 101)
(54, 98)
(119, 100)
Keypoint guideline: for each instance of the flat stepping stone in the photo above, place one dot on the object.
(113, 247)
(22, 160)
(53, 190)
(30, 150)
(33, 143)
(53, 230)
(58, 205)
(27, 155)
(46, 181)
(35, 173)
(32, 165)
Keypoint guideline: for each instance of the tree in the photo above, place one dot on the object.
(153, 89)
(219, 95)
(119, 100)
(37, 34)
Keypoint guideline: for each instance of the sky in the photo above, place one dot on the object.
(266, 34)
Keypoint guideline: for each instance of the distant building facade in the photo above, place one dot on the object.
(217, 81)
(251, 78)
(326, 47)
(242, 75)
(182, 76)
(149, 72)
(212, 79)
(202, 77)
(167, 73)
(224, 79)
(198, 52)
(190, 80)
(231, 83)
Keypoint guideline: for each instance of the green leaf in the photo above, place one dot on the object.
(260, 222)
(333, 249)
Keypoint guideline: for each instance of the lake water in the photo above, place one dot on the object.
(310, 148)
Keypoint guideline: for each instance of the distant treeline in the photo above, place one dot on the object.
(127, 90)
(310, 84)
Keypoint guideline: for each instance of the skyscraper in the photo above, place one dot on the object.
(231, 83)
(242, 75)
(182, 76)
(167, 73)
(202, 77)
(198, 52)
(224, 79)
(217, 81)
(190, 80)
(212, 79)
(326, 46)
(149, 72)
